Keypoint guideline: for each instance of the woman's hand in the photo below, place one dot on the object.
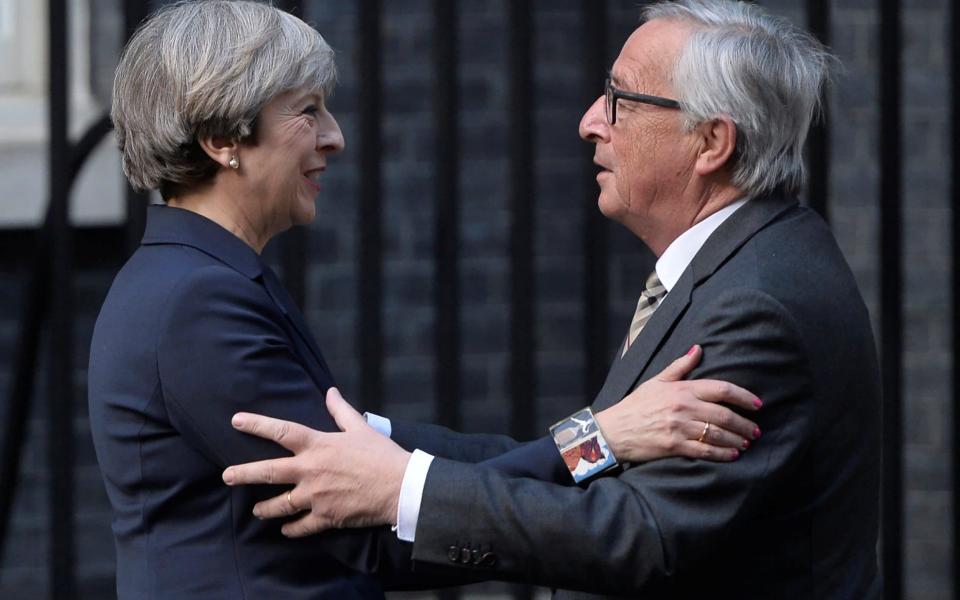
(667, 416)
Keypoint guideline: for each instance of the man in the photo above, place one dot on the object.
(699, 137)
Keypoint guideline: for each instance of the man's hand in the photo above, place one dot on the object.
(348, 479)
(668, 416)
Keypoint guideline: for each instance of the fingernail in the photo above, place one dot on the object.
(228, 476)
(756, 433)
(237, 421)
(746, 444)
(256, 512)
(736, 454)
(692, 349)
(757, 402)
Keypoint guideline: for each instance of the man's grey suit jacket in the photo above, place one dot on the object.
(775, 307)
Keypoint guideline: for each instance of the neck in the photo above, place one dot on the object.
(227, 211)
(693, 206)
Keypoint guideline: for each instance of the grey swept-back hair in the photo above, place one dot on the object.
(204, 69)
(763, 72)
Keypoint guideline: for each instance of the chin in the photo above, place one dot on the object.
(609, 207)
(304, 215)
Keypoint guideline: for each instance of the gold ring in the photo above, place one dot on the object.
(290, 500)
(703, 436)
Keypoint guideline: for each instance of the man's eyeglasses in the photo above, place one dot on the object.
(612, 94)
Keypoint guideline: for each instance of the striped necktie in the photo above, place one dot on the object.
(649, 300)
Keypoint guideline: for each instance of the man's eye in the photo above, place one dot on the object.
(310, 110)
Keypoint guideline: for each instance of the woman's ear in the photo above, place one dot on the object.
(222, 150)
(718, 138)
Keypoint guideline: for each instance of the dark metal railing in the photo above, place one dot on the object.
(369, 332)
(521, 197)
(955, 216)
(60, 440)
(891, 297)
(447, 359)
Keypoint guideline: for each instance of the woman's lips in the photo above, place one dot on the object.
(315, 185)
(313, 178)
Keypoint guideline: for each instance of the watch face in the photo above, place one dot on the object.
(582, 446)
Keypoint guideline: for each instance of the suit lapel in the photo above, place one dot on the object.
(293, 315)
(721, 245)
(166, 225)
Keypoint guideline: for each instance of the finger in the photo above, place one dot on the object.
(308, 524)
(278, 506)
(290, 435)
(346, 417)
(715, 436)
(712, 390)
(679, 368)
(724, 418)
(273, 471)
(695, 449)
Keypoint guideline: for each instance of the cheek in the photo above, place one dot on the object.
(630, 169)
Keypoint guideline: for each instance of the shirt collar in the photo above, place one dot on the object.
(678, 255)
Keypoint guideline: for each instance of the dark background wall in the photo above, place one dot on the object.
(332, 304)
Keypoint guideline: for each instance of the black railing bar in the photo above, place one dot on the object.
(446, 233)
(955, 234)
(60, 443)
(521, 228)
(595, 230)
(521, 196)
(370, 318)
(891, 297)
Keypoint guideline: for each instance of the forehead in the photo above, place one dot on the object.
(649, 54)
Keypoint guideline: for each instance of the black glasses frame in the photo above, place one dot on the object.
(612, 94)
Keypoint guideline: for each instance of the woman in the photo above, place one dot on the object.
(220, 106)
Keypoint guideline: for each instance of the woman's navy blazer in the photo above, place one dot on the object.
(195, 328)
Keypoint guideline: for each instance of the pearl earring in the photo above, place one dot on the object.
(234, 163)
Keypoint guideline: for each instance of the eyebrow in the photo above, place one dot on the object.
(312, 96)
(622, 83)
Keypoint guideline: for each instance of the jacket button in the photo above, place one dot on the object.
(453, 553)
(465, 555)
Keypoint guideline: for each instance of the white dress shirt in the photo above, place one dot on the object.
(670, 266)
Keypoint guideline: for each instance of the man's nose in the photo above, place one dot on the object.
(593, 125)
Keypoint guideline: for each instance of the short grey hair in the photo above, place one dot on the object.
(763, 72)
(206, 69)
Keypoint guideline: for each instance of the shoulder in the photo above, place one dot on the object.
(212, 290)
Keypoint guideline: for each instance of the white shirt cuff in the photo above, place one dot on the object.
(378, 423)
(411, 493)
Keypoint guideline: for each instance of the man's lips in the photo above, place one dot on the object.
(601, 166)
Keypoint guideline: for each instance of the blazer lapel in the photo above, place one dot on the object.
(166, 225)
(725, 241)
(294, 316)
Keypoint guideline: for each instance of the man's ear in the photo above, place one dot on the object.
(718, 138)
(222, 150)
